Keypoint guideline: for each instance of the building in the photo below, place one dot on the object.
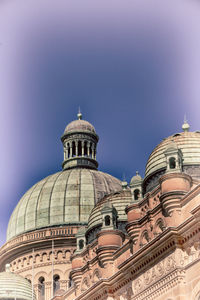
(83, 234)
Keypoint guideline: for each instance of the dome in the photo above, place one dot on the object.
(66, 197)
(14, 286)
(79, 126)
(188, 143)
(119, 200)
(136, 179)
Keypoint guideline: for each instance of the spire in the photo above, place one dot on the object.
(185, 125)
(79, 115)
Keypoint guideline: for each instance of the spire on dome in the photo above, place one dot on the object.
(185, 126)
(79, 115)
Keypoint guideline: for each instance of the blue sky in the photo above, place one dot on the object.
(132, 66)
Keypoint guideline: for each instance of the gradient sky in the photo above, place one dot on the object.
(132, 66)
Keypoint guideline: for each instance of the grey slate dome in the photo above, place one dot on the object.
(65, 197)
(14, 287)
(79, 126)
(188, 143)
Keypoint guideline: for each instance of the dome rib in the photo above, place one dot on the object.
(95, 196)
(38, 199)
(64, 202)
(49, 209)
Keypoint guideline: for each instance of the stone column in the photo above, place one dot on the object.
(88, 149)
(48, 290)
(82, 147)
(93, 151)
(70, 153)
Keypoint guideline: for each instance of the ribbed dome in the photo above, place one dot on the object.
(14, 286)
(187, 142)
(119, 200)
(65, 197)
(79, 126)
(136, 179)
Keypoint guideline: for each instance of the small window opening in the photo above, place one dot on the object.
(79, 148)
(73, 149)
(68, 150)
(85, 148)
(90, 150)
(136, 194)
(172, 163)
(41, 288)
(56, 283)
(107, 220)
(81, 244)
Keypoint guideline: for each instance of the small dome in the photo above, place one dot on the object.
(136, 179)
(188, 142)
(79, 126)
(63, 198)
(13, 286)
(119, 200)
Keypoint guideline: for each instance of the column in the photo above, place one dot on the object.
(88, 149)
(82, 147)
(93, 151)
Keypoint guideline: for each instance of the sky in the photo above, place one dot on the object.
(133, 67)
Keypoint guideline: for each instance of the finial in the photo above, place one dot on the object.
(137, 173)
(79, 115)
(185, 126)
(124, 182)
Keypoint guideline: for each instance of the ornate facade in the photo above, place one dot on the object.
(83, 234)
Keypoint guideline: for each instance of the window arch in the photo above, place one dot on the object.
(41, 288)
(56, 283)
(79, 148)
(136, 194)
(172, 163)
(160, 226)
(81, 244)
(107, 220)
(73, 149)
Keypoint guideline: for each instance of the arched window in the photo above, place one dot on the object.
(172, 163)
(73, 149)
(90, 149)
(81, 244)
(68, 150)
(56, 283)
(85, 148)
(136, 194)
(41, 288)
(79, 148)
(160, 226)
(107, 220)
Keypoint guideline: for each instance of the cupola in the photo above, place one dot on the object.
(80, 143)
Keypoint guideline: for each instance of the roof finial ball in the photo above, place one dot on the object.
(79, 115)
(185, 126)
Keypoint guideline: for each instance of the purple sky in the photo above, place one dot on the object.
(132, 66)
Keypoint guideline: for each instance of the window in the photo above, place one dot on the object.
(79, 148)
(136, 194)
(81, 244)
(41, 288)
(56, 283)
(107, 220)
(73, 149)
(172, 163)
